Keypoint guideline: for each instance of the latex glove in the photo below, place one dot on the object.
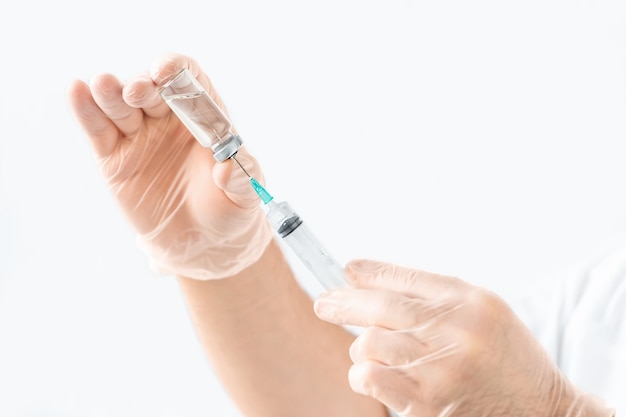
(434, 345)
(194, 217)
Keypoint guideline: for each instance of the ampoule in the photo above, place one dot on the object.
(201, 115)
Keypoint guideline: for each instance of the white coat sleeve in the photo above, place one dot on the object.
(581, 321)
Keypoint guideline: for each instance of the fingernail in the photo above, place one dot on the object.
(326, 307)
(163, 70)
(357, 377)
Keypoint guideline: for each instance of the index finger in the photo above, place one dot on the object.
(365, 273)
(380, 308)
(167, 66)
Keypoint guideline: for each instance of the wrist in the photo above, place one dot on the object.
(200, 254)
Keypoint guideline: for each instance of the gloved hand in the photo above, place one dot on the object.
(437, 346)
(194, 217)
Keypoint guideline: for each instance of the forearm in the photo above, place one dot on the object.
(270, 351)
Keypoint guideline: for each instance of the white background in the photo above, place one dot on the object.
(482, 139)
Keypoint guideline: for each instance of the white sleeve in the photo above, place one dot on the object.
(581, 321)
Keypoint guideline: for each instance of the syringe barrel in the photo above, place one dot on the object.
(305, 245)
(313, 255)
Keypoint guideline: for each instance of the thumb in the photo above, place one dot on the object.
(232, 179)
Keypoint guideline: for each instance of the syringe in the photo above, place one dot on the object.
(208, 123)
(299, 238)
(290, 227)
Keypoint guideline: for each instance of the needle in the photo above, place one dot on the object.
(240, 166)
(258, 188)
